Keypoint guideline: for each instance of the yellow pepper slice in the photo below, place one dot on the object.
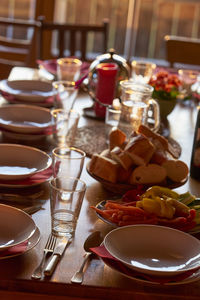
(160, 191)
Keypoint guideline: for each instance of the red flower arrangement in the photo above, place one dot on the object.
(166, 85)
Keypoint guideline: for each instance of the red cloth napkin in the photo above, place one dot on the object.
(20, 248)
(36, 178)
(117, 265)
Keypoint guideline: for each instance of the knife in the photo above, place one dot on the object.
(57, 254)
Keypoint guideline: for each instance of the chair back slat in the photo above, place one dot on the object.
(73, 30)
(182, 50)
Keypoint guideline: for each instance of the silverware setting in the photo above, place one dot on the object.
(57, 254)
(93, 240)
(48, 249)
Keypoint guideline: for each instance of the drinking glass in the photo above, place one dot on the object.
(65, 123)
(68, 68)
(142, 71)
(111, 120)
(66, 197)
(65, 94)
(138, 107)
(67, 161)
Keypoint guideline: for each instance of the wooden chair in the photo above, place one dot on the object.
(182, 50)
(16, 51)
(74, 31)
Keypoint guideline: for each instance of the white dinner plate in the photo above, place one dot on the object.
(16, 226)
(154, 250)
(32, 242)
(25, 118)
(28, 90)
(19, 162)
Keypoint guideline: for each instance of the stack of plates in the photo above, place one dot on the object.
(25, 122)
(19, 164)
(16, 227)
(154, 251)
(32, 92)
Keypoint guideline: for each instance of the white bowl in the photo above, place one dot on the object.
(154, 250)
(16, 226)
(28, 90)
(18, 162)
(25, 118)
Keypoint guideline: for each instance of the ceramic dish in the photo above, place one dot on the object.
(154, 250)
(16, 226)
(121, 188)
(27, 90)
(195, 276)
(32, 242)
(15, 137)
(25, 118)
(19, 162)
(47, 103)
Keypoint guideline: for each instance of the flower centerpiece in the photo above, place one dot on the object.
(166, 89)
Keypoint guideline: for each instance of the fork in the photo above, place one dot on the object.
(48, 249)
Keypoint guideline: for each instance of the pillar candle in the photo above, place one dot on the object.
(106, 85)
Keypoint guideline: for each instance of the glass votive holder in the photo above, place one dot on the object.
(68, 68)
(142, 71)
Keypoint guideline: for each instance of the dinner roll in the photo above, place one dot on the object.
(116, 138)
(104, 167)
(150, 174)
(140, 149)
(121, 157)
(176, 170)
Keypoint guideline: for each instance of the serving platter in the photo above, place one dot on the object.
(101, 206)
(25, 119)
(19, 162)
(121, 188)
(16, 226)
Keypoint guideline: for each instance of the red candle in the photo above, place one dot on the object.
(106, 84)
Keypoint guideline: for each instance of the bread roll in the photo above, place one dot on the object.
(150, 174)
(121, 157)
(159, 157)
(104, 168)
(157, 138)
(106, 153)
(116, 138)
(123, 175)
(176, 170)
(140, 149)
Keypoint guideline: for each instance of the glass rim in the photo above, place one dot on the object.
(128, 83)
(67, 178)
(64, 111)
(70, 148)
(143, 63)
(69, 60)
(67, 83)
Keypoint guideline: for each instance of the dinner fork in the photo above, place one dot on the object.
(48, 249)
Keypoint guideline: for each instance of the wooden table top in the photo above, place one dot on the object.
(100, 281)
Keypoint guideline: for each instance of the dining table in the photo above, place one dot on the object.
(100, 280)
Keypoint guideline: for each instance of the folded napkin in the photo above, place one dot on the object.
(20, 248)
(119, 266)
(34, 179)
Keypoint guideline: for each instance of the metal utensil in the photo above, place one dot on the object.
(93, 240)
(48, 249)
(57, 254)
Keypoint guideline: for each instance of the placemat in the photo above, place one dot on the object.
(92, 139)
